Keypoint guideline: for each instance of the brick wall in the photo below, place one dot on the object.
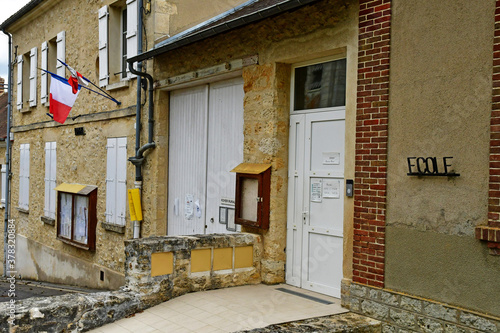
(491, 234)
(371, 142)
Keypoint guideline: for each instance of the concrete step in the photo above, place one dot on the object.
(346, 322)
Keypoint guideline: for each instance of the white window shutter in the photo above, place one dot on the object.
(33, 76)
(121, 184)
(132, 33)
(52, 180)
(24, 171)
(20, 82)
(43, 74)
(47, 179)
(61, 53)
(103, 47)
(111, 180)
(4, 182)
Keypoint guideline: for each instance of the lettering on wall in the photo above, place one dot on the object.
(431, 166)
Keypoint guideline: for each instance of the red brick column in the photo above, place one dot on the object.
(491, 233)
(371, 142)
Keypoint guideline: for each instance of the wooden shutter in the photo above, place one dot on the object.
(24, 171)
(50, 179)
(111, 180)
(61, 53)
(4, 182)
(20, 82)
(43, 74)
(103, 47)
(33, 76)
(121, 181)
(132, 38)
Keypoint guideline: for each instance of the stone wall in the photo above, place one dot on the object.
(406, 313)
(80, 313)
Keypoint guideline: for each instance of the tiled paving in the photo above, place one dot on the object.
(227, 310)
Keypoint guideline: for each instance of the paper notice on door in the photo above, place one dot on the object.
(189, 207)
(331, 158)
(316, 190)
(331, 189)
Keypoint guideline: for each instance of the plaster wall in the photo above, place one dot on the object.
(440, 105)
(324, 29)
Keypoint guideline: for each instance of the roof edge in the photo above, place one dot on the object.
(20, 13)
(178, 41)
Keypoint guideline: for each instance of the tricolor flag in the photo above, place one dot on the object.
(62, 98)
(76, 79)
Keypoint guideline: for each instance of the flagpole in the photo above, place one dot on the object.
(92, 83)
(108, 97)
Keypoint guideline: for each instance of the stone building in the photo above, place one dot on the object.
(377, 120)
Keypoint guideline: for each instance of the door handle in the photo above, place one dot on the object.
(304, 216)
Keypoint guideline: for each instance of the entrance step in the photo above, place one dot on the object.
(345, 322)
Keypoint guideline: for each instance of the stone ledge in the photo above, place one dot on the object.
(47, 220)
(119, 229)
(22, 210)
(400, 311)
(346, 322)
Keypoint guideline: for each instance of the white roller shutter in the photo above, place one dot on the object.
(61, 53)
(43, 74)
(132, 39)
(20, 82)
(103, 47)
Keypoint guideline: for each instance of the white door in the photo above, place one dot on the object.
(316, 201)
(206, 143)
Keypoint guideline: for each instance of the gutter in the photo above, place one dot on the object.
(207, 29)
(7, 159)
(138, 159)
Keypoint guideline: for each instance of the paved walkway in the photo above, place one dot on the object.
(228, 310)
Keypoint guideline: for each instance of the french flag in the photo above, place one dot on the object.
(62, 98)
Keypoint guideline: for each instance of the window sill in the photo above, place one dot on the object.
(118, 85)
(48, 220)
(22, 210)
(80, 246)
(25, 110)
(119, 229)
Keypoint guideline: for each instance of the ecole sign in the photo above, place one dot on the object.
(430, 166)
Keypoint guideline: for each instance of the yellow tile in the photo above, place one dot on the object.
(201, 260)
(162, 263)
(223, 259)
(243, 257)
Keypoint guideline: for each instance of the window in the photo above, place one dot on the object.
(26, 79)
(320, 85)
(76, 215)
(117, 40)
(51, 51)
(3, 180)
(24, 176)
(116, 181)
(50, 180)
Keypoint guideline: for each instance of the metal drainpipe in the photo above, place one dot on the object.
(7, 159)
(138, 159)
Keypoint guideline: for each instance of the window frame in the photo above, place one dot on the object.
(89, 192)
(310, 63)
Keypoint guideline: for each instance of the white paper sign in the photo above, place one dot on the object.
(189, 207)
(331, 158)
(316, 190)
(198, 208)
(331, 189)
